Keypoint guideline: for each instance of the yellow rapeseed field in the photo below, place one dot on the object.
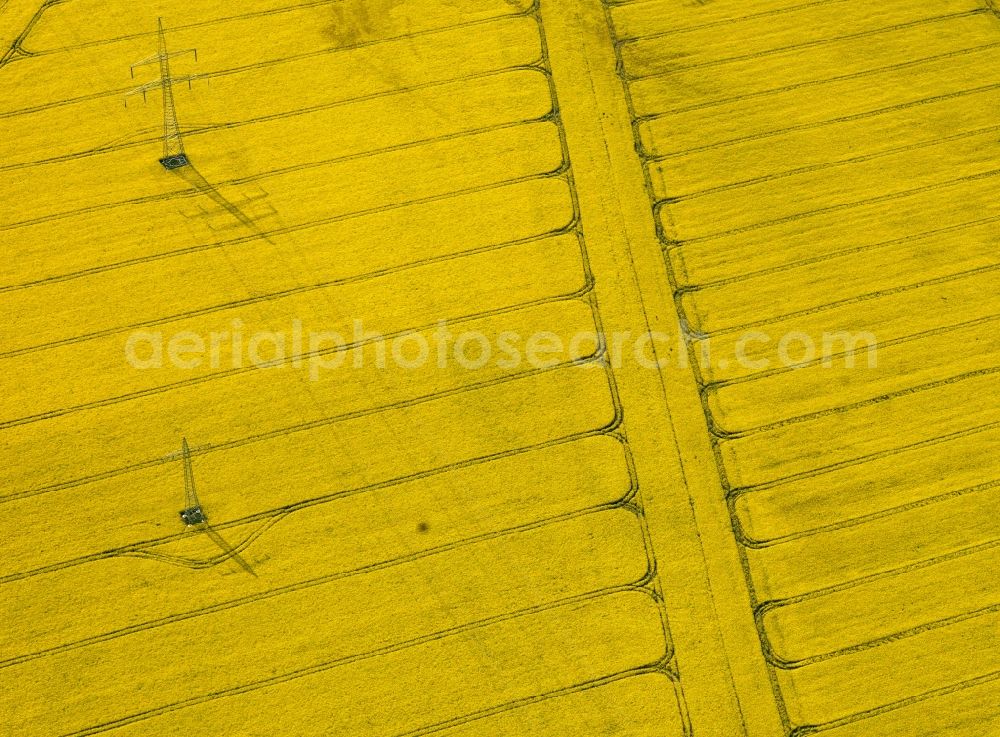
(384, 368)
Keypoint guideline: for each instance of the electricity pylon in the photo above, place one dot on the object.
(174, 158)
(173, 146)
(194, 516)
